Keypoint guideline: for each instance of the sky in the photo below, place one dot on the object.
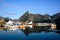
(16, 8)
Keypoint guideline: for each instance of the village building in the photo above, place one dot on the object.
(1, 21)
(22, 25)
(13, 25)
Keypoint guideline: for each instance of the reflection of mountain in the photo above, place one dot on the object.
(58, 32)
(28, 31)
(36, 30)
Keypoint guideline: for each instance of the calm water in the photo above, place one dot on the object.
(20, 35)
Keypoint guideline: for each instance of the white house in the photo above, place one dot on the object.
(10, 25)
(30, 24)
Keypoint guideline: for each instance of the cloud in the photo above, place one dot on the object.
(10, 13)
(11, 5)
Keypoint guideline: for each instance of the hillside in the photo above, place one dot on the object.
(34, 17)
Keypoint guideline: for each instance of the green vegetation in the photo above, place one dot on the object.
(6, 19)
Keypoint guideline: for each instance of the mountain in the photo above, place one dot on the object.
(56, 18)
(1, 17)
(46, 16)
(24, 17)
(34, 17)
(5, 18)
(41, 18)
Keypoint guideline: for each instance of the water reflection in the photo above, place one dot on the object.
(27, 32)
(35, 30)
(30, 34)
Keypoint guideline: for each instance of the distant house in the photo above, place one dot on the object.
(22, 25)
(1, 21)
(16, 23)
(53, 26)
(31, 24)
(43, 24)
(9, 23)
